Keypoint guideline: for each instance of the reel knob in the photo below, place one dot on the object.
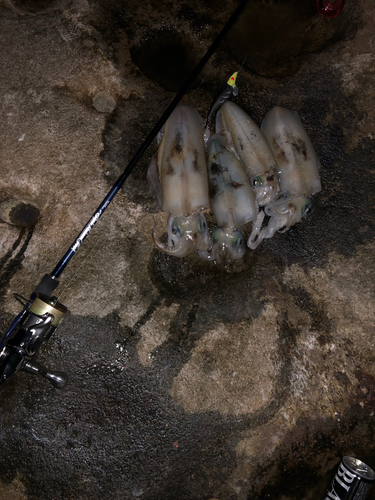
(57, 379)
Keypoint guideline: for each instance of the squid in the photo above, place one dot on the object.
(232, 201)
(178, 176)
(298, 172)
(252, 148)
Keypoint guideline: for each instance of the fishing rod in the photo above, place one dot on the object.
(42, 312)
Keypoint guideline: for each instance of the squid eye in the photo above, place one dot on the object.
(237, 239)
(282, 197)
(202, 226)
(215, 237)
(306, 208)
(258, 181)
(176, 229)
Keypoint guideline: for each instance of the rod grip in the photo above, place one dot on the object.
(47, 285)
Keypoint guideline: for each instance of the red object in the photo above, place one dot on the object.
(330, 8)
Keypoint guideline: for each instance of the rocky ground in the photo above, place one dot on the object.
(186, 380)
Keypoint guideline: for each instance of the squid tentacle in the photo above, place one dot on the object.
(182, 247)
(276, 223)
(206, 254)
(254, 238)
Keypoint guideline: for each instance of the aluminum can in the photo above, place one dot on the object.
(353, 480)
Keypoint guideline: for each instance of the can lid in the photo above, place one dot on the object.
(360, 468)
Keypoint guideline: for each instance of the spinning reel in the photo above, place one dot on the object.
(33, 326)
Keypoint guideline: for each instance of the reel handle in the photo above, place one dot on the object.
(57, 379)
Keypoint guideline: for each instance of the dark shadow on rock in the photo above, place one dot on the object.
(11, 263)
(274, 38)
(167, 57)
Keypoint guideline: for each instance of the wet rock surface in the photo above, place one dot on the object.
(186, 380)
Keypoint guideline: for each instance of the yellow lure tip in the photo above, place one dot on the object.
(232, 79)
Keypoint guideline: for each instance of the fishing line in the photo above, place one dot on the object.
(75, 273)
(243, 62)
(222, 50)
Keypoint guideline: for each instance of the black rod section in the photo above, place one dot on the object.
(120, 181)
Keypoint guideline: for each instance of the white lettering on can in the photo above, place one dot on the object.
(345, 474)
(332, 494)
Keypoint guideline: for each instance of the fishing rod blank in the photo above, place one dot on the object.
(42, 313)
